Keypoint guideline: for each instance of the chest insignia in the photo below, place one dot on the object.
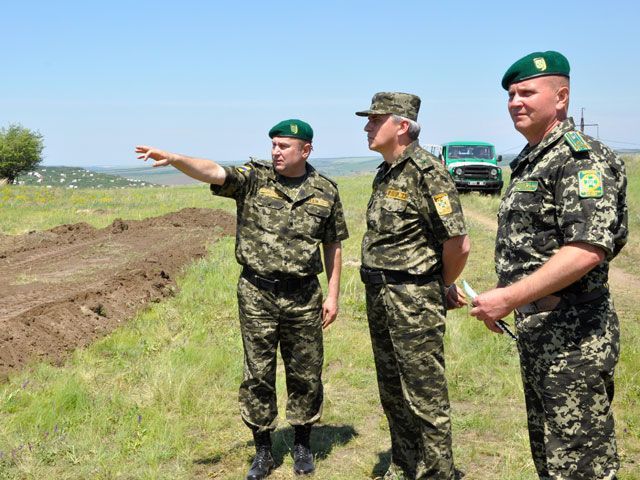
(590, 184)
(526, 186)
(269, 192)
(443, 205)
(397, 194)
(318, 201)
(576, 142)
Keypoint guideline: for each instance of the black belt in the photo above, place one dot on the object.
(376, 277)
(281, 284)
(557, 302)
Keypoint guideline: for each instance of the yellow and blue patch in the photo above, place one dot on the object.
(590, 184)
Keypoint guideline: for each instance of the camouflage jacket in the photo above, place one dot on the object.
(413, 209)
(277, 234)
(568, 188)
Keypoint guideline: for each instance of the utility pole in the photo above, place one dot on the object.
(582, 124)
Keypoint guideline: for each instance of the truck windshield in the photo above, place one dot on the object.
(470, 151)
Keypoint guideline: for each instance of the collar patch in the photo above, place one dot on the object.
(526, 186)
(576, 142)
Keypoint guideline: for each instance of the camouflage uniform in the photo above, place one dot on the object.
(280, 225)
(568, 188)
(413, 209)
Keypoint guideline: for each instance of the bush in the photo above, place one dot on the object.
(20, 151)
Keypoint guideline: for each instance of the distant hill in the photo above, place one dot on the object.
(74, 177)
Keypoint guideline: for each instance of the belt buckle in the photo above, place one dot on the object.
(267, 284)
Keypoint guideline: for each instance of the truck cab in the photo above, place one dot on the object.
(473, 166)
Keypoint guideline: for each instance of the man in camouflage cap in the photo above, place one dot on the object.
(285, 209)
(562, 220)
(414, 248)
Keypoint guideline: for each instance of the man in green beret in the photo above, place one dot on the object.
(414, 248)
(285, 209)
(563, 218)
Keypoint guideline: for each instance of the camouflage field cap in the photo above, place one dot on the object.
(397, 103)
(536, 64)
(293, 128)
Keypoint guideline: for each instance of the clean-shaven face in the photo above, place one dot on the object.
(533, 106)
(382, 132)
(289, 155)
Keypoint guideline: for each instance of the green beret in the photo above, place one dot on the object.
(536, 64)
(293, 128)
(395, 103)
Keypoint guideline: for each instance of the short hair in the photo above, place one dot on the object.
(414, 127)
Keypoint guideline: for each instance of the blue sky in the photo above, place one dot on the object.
(210, 78)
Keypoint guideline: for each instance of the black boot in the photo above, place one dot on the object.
(263, 462)
(302, 456)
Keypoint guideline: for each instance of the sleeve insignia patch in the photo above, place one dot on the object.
(269, 192)
(397, 194)
(443, 205)
(590, 184)
(243, 169)
(576, 142)
(530, 186)
(318, 201)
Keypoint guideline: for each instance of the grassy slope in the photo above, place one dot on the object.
(157, 399)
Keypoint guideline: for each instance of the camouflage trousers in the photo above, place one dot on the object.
(406, 323)
(567, 360)
(292, 320)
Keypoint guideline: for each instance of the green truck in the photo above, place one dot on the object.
(473, 166)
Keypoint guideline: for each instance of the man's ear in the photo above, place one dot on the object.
(306, 150)
(562, 98)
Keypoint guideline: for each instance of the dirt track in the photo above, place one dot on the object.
(62, 288)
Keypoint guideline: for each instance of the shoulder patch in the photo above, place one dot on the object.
(590, 184)
(331, 181)
(576, 142)
(260, 163)
(425, 162)
(525, 186)
(443, 205)
(243, 169)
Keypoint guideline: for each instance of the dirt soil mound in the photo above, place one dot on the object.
(62, 288)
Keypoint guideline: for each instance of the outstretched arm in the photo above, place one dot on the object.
(201, 169)
(333, 267)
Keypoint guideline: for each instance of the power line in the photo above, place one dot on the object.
(618, 141)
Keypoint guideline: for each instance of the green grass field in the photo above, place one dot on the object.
(157, 399)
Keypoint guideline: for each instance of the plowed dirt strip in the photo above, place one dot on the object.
(64, 287)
